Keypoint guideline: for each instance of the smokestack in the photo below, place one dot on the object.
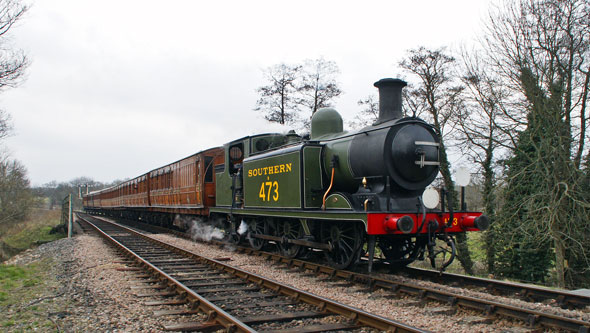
(390, 99)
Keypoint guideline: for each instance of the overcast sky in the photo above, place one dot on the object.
(117, 88)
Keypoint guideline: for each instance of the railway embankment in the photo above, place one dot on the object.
(42, 226)
(70, 285)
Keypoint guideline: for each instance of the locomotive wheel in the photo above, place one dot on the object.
(346, 239)
(400, 252)
(257, 227)
(289, 229)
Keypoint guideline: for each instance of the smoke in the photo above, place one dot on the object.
(199, 230)
(243, 228)
(181, 222)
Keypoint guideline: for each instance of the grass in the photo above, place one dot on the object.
(35, 230)
(18, 278)
(20, 287)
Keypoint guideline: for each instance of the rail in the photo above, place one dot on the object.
(532, 318)
(226, 320)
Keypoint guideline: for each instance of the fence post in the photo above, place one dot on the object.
(70, 217)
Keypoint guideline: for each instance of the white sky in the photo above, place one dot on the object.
(117, 88)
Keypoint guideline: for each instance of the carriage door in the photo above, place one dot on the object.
(208, 181)
(199, 180)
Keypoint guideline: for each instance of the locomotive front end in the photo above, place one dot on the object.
(384, 166)
(404, 149)
(384, 170)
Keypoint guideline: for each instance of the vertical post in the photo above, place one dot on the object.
(70, 216)
(463, 205)
(62, 218)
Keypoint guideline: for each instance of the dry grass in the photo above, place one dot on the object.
(35, 230)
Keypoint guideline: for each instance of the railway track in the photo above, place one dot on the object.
(231, 298)
(563, 298)
(488, 308)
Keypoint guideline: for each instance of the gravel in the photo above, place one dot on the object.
(93, 295)
(404, 309)
(96, 295)
(550, 307)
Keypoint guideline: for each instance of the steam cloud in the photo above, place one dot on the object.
(243, 228)
(198, 229)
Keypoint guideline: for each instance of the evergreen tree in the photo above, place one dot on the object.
(577, 272)
(539, 164)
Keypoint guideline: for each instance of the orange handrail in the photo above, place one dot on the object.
(328, 191)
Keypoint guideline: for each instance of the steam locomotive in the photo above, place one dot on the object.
(342, 193)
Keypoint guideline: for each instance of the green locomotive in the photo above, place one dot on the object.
(337, 191)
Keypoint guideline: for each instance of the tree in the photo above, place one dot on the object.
(294, 88)
(12, 62)
(5, 125)
(15, 195)
(526, 253)
(279, 101)
(55, 192)
(369, 114)
(484, 130)
(578, 271)
(437, 97)
(541, 50)
(318, 84)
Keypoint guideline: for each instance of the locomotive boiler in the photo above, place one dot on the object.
(343, 193)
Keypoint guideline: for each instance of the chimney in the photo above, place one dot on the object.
(390, 99)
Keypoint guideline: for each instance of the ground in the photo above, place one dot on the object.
(71, 285)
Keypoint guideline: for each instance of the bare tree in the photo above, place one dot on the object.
(278, 100)
(551, 38)
(369, 114)
(437, 97)
(5, 125)
(318, 83)
(483, 130)
(12, 62)
(15, 195)
(293, 88)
